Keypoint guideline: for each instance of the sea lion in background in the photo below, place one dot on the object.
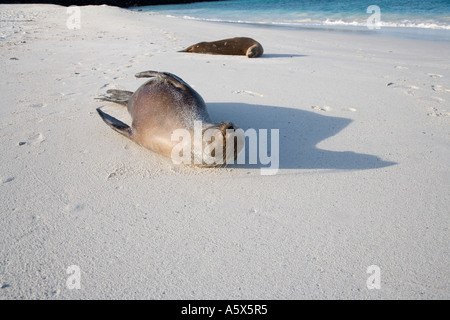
(234, 46)
(164, 104)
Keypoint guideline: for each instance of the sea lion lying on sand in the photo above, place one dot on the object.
(234, 46)
(165, 104)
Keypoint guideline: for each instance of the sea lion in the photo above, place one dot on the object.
(165, 104)
(234, 46)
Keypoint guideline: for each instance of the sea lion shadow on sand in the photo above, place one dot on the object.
(299, 133)
(282, 55)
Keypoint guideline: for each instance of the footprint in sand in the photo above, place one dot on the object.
(37, 105)
(36, 139)
(401, 68)
(432, 99)
(439, 88)
(411, 90)
(118, 172)
(435, 112)
(435, 75)
(74, 207)
(408, 89)
(6, 180)
(250, 93)
(349, 109)
(321, 108)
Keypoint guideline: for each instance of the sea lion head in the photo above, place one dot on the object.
(254, 51)
(222, 144)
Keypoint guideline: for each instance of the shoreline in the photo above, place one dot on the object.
(395, 25)
(362, 179)
(407, 33)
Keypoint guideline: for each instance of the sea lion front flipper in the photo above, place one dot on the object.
(116, 125)
(188, 49)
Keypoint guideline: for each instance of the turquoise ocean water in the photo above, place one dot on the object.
(429, 19)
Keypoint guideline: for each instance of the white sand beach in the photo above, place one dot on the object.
(363, 177)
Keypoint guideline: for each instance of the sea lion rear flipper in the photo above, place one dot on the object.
(147, 74)
(117, 96)
(171, 78)
(115, 124)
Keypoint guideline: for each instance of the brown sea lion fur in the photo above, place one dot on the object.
(234, 46)
(162, 105)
